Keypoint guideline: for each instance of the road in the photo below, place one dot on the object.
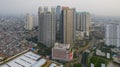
(85, 55)
(84, 59)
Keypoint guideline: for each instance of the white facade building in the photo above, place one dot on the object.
(112, 35)
(62, 52)
(29, 22)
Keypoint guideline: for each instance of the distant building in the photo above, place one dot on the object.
(112, 35)
(92, 65)
(67, 25)
(46, 9)
(29, 22)
(115, 50)
(47, 27)
(79, 35)
(35, 20)
(83, 20)
(116, 58)
(108, 55)
(53, 9)
(103, 65)
(100, 53)
(62, 52)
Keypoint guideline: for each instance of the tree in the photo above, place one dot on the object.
(77, 65)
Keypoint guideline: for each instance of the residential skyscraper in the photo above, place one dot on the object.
(58, 13)
(29, 22)
(58, 9)
(53, 9)
(46, 9)
(83, 20)
(67, 25)
(47, 27)
(112, 35)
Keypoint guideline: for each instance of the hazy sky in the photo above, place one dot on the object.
(98, 7)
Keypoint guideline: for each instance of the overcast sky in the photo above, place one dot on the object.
(98, 7)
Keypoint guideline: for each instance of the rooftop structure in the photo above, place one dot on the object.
(30, 59)
(40, 63)
(61, 46)
(25, 60)
(55, 65)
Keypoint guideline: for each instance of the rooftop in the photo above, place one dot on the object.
(62, 46)
(25, 60)
(30, 59)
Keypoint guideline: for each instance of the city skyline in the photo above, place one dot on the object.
(102, 7)
(59, 33)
